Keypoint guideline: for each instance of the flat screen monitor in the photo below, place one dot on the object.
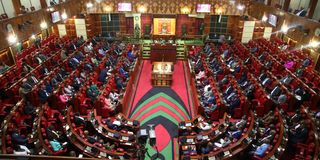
(124, 7)
(55, 16)
(203, 8)
(273, 20)
(164, 26)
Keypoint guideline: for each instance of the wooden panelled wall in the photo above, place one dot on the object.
(168, 6)
(71, 7)
(257, 10)
(192, 24)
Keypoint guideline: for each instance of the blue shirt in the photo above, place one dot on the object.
(261, 150)
(56, 146)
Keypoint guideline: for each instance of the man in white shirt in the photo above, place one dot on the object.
(88, 47)
(21, 150)
(222, 142)
(200, 75)
(207, 88)
(205, 126)
(113, 96)
(102, 52)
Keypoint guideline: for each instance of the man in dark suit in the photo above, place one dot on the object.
(32, 80)
(77, 83)
(44, 70)
(17, 139)
(119, 82)
(52, 134)
(78, 120)
(286, 80)
(28, 108)
(298, 133)
(242, 78)
(103, 75)
(306, 62)
(88, 67)
(74, 63)
(79, 55)
(275, 92)
(72, 46)
(26, 85)
(43, 94)
(91, 139)
(54, 82)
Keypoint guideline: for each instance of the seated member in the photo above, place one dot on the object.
(17, 139)
(262, 149)
(3, 67)
(119, 82)
(93, 91)
(74, 63)
(43, 94)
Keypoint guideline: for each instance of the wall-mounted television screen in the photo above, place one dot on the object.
(273, 20)
(203, 8)
(55, 16)
(125, 7)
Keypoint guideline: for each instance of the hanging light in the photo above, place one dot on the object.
(264, 18)
(314, 44)
(43, 25)
(240, 7)
(142, 9)
(12, 38)
(185, 10)
(64, 16)
(107, 8)
(89, 5)
(284, 28)
(33, 36)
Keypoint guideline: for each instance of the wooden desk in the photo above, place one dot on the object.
(165, 52)
(162, 73)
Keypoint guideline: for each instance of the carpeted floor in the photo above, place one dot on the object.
(163, 107)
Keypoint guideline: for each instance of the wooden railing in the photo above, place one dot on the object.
(131, 87)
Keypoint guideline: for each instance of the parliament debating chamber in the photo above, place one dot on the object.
(160, 79)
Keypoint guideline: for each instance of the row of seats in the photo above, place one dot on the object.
(224, 140)
(256, 67)
(112, 131)
(24, 123)
(295, 83)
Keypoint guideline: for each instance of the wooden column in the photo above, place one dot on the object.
(43, 4)
(269, 2)
(17, 6)
(286, 5)
(312, 8)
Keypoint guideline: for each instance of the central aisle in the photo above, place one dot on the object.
(162, 106)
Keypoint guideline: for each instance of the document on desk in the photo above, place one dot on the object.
(206, 137)
(190, 140)
(103, 154)
(88, 149)
(125, 138)
(212, 158)
(130, 123)
(110, 134)
(188, 124)
(67, 127)
(100, 129)
(226, 153)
